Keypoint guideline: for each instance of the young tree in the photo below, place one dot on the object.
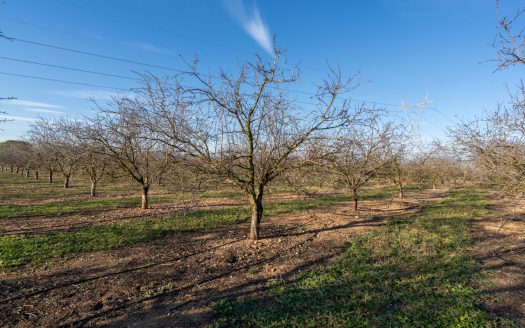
(496, 144)
(93, 161)
(360, 152)
(15, 154)
(57, 145)
(119, 132)
(243, 127)
(398, 170)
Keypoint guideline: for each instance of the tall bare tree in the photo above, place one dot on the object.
(244, 127)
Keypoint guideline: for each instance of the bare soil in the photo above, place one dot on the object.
(174, 281)
(54, 223)
(500, 247)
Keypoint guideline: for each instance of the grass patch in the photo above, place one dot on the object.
(414, 272)
(24, 249)
(12, 211)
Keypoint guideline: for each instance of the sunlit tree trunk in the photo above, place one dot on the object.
(257, 214)
(145, 200)
(93, 188)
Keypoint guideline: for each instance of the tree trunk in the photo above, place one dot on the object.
(36, 174)
(93, 188)
(50, 176)
(401, 192)
(145, 203)
(355, 198)
(11, 169)
(27, 173)
(17, 170)
(66, 181)
(257, 213)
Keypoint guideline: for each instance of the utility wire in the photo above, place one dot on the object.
(113, 58)
(62, 81)
(119, 59)
(93, 54)
(68, 68)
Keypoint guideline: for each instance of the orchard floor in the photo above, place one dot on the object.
(500, 248)
(174, 281)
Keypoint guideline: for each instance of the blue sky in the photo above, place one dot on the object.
(405, 49)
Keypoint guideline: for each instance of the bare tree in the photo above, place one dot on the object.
(15, 154)
(398, 169)
(360, 152)
(496, 144)
(244, 127)
(92, 159)
(510, 40)
(119, 131)
(58, 146)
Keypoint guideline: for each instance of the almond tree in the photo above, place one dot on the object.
(243, 127)
(119, 132)
(15, 154)
(496, 144)
(510, 39)
(58, 145)
(93, 161)
(359, 153)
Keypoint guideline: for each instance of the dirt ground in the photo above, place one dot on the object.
(500, 246)
(174, 281)
(53, 223)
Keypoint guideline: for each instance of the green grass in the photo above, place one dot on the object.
(11, 211)
(14, 186)
(24, 249)
(414, 272)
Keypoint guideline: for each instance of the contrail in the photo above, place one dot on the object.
(252, 23)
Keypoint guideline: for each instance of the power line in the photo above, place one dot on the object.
(62, 81)
(155, 66)
(93, 54)
(442, 114)
(125, 60)
(67, 68)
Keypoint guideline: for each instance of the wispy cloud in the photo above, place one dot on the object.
(18, 118)
(252, 23)
(85, 94)
(149, 47)
(29, 103)
(44, 111)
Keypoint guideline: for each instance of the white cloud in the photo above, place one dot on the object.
(252, 24)
(45, 111)
(149, 47)
(18, 118)
(85, 94)
(28, 103)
